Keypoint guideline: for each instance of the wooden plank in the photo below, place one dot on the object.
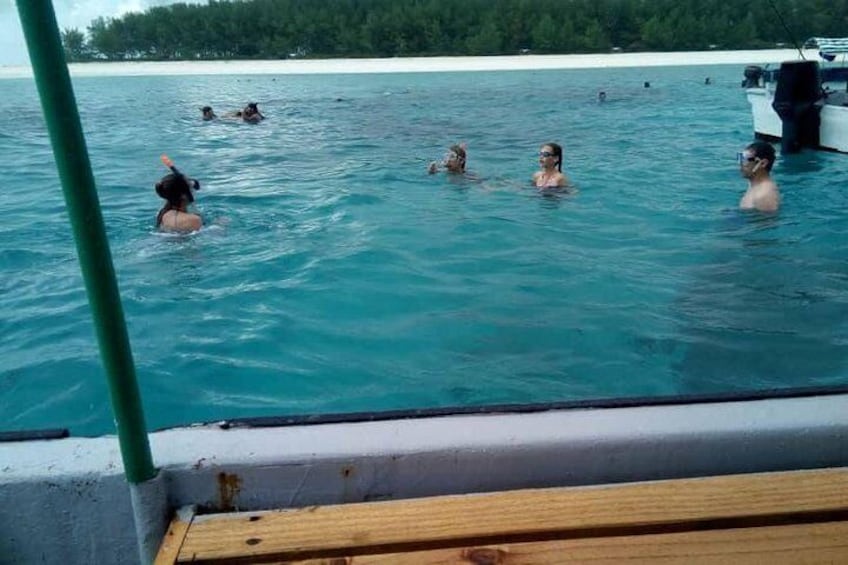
(775, 545)
(173, 540)
(534, 514)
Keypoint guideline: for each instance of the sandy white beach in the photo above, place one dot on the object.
(422, 64)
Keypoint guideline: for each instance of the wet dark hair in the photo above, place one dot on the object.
(175, 189)
(763, 150)
(460, 152)
(206, 109)
(557, 153)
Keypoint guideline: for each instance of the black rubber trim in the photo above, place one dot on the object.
(30, 435)
(418, 413)
(352, 417)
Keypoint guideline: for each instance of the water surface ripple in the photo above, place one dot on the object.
(335, 275)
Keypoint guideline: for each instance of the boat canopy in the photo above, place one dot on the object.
(830, 47)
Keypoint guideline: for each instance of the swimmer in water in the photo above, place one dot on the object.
(755, 164)
(208, 114)
(251, 113)
(453, 161)
(550, 160)
(177, 190)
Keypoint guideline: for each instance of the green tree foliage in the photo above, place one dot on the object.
(486, 41)
(546, 36)
(271, 29)
(76, 49)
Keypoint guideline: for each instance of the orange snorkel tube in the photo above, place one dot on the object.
(192, 183)
(170, 164)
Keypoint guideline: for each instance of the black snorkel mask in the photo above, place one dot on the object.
(190, 186)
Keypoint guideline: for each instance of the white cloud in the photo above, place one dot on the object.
(69, 14)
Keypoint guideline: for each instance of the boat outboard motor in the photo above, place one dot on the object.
(798, 90)
(752, 76)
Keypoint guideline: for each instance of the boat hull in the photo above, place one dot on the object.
(833, 134)
(66, 501)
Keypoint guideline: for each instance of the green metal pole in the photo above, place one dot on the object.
(60, 112)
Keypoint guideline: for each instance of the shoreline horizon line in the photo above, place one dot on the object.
(418, 64)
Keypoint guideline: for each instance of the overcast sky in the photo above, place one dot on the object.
(69, 13)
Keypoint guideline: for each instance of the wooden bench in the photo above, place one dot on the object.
(789, 517)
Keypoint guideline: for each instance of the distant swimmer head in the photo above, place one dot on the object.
(550, 154)
(251, 108)
(455, 158)
(602, 96)
(177, 189)
(208, 114)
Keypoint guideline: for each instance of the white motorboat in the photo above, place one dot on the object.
(802, 104)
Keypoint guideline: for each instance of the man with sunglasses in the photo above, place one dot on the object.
(755, 164)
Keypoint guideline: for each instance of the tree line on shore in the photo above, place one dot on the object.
(279, 29)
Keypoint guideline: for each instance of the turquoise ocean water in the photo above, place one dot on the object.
(337, 276)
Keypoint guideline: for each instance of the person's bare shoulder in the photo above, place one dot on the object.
(181, 222)
(763, 197)
(562, 180)
(191, 222)
(768, 196)
(769, 202)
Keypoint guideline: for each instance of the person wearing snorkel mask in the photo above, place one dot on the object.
(177, 190)
(453, 162)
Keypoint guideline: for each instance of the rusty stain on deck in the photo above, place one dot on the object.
(229, 487)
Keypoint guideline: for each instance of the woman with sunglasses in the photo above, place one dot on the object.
(550, 160)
